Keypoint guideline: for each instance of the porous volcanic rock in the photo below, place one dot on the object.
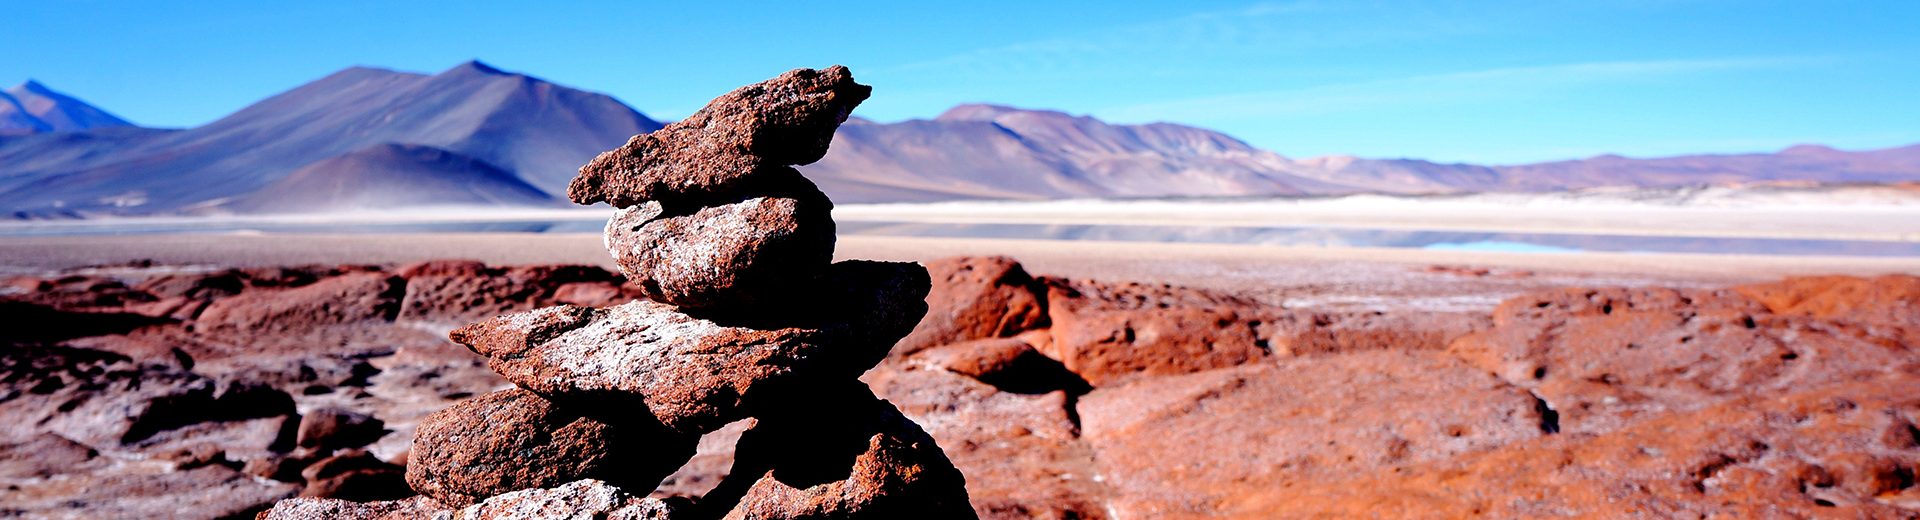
(414, 508)
(370, 296)
(859, 458)
(727, 256)
(44, 455)
(1878, 304)
(1843, 451)
(141, 489)
(512, 440)
(689, 373)
(695, 374)
(581, 499)
(1021, 453)
(1009, 364)
(1172, 447)
(466, 290)
(329, 429)
(729, 147)
(1604, 358)
(355, 475)
(104, 399)
(1110, 333)
(977, 298)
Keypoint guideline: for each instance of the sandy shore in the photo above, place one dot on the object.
(1292, 276)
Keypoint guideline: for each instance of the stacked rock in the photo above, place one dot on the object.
(748, 317)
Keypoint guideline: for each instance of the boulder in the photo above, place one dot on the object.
(512, 440)
(329, 429)
(415, 508)
(695, 374)
(465, 290)
(1603, 358)
(1110, 333)
(759, 250)
(730, 147)
(1021, 453)
(355, 475)
(858, 458)
(977, 298)
(1009, 364)
(134, 490)
(582, 499)
(358, 297)
(105, 399)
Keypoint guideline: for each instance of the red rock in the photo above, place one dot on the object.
(582, 499)
(1021, 453)
(1605, 358)
(329, 429)
(756, 252)
(1112, 333)
(1880, 303)
(104, 399)
(1009, 364)
(355, 475)
(359, 297)
(1301, 333)
(729, 147)
(461, 291)
(691, 374)
(858, 458)
(142, 491)
(1175, 447)
(512, 440)
(336, 509)
(35, 323)
(696, 374)
(977, 298)
(45, 455)
(207, 285)
(1819, 453)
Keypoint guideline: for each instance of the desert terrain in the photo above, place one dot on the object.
(213, 375)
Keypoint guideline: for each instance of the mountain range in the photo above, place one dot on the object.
(366, 138)
(33, 108)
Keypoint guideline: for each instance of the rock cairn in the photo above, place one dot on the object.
(747, 317)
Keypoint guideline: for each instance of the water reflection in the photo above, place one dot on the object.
(1279, 236)
(1407, 239)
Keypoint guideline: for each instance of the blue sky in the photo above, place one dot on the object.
(1489, 82)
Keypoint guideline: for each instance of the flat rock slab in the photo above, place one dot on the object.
(757, 251)
(581, 499)
(730, 147)
(1173, 447)
(691, 374)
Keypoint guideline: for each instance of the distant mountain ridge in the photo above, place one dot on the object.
(475, 134)
(537, 131)
(31, 108)
(992, 152)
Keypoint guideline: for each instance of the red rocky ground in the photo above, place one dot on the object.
(213, 393)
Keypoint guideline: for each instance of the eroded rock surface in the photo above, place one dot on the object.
(512, 440)
(695, 374)
(575, 500)
(856, 459)
(738, 142)
(732, 256)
